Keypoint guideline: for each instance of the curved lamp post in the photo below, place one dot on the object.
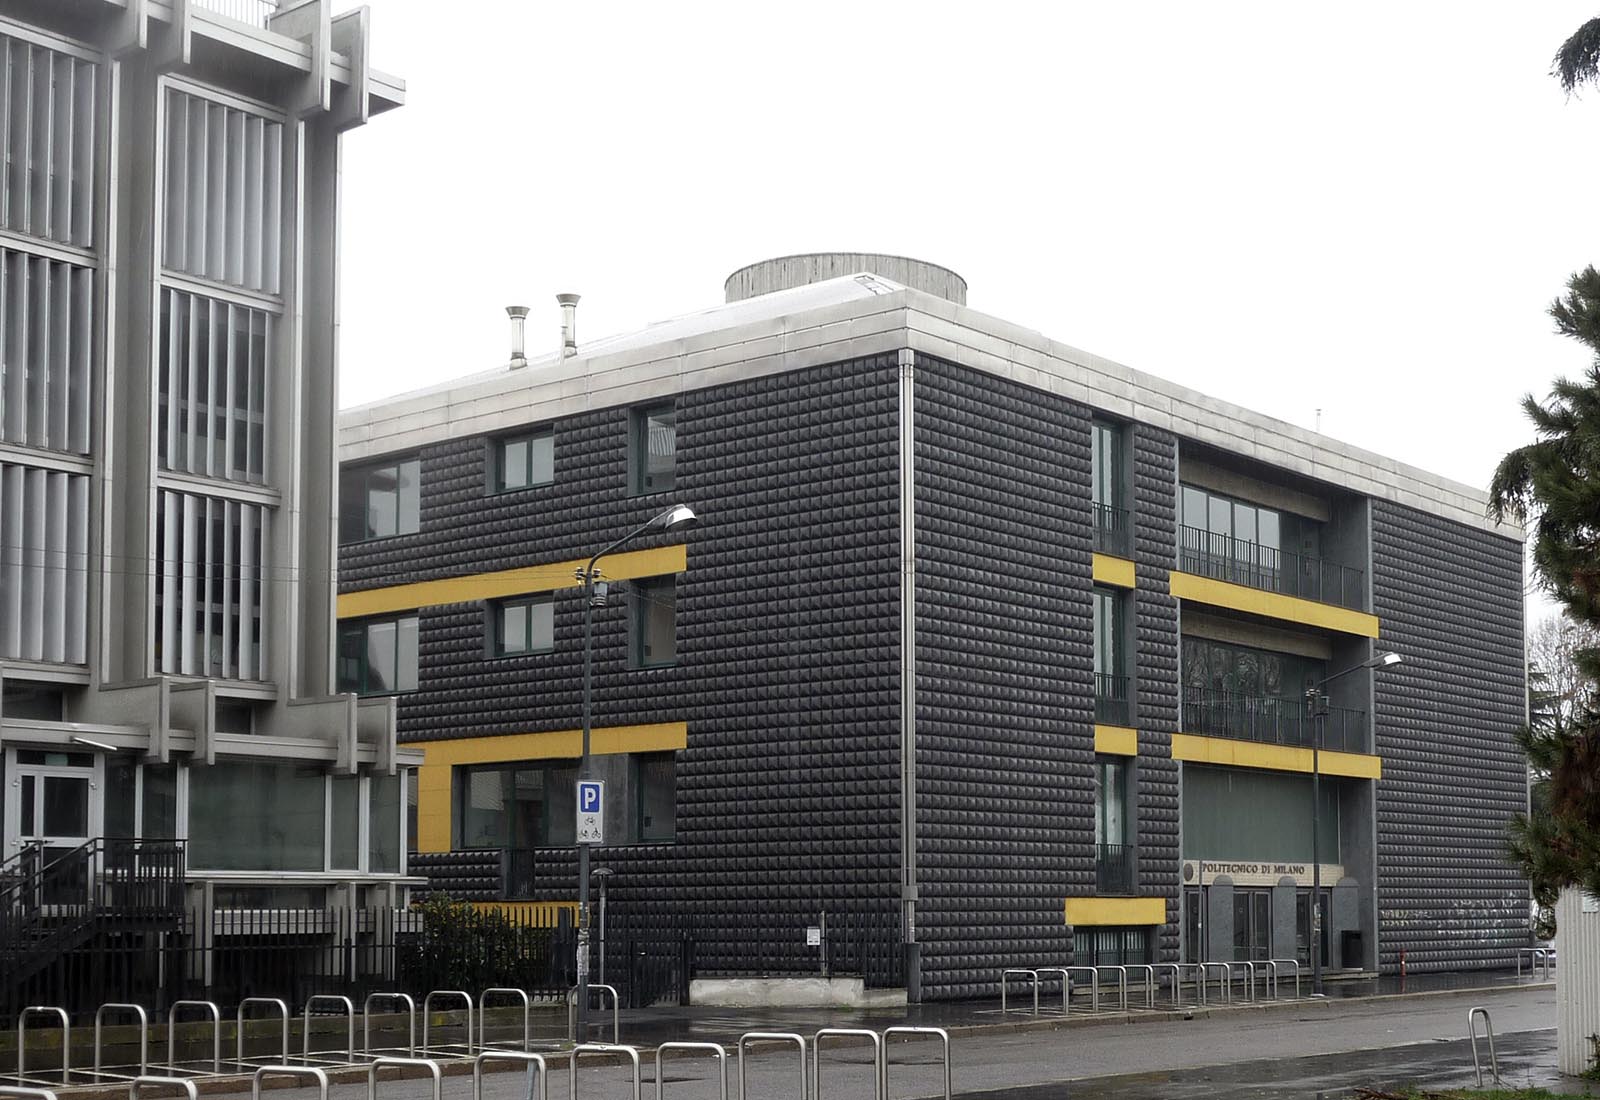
(1318, 700)
(675, 518)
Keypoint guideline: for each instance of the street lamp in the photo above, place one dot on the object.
(1318, 701)
(675, 518)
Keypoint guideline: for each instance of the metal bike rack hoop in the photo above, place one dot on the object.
(66, 1037)
(1066, 983)
(366, 1021)
(1472, 1033)
(912, 1032)
(1277, 965)
(302, 1072)
(1094, 984)
(616, 1017)
(856, 1033)
(773, 1037)
(1122, 982)
(1225, 979)
(602, 1048)
(22, 1092)
(1005, 984)
(1177, 980)
(716, 1050)
(136, 1089)
(427, 1015)
(216, 1033)
(1149, 982)
(144, 1034)
(483, 1014)
(402, 1063)
(283, 1014)
(350, 1026)
(521, 1057)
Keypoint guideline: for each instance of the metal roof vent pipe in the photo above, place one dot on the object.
(518, 315)
(569, 324)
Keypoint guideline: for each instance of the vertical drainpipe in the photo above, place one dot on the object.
(908, 678)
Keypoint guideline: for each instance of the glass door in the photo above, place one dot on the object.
(53, 809)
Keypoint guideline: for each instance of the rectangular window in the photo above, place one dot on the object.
(257, 815)
(655, 780)
(44, 576)
(525, 625)
(655, 622)
(1111, 946)
(47, 108)
(378, 656)
(380, 501)
(46, 352)
(530, 804)
(1111, 528)
(522, 461)
(1110, 672)
(212, 568)
(344, 833)
(383, 823)
(1112, 826)
(213, 367)
(653, 454)
(224, 193)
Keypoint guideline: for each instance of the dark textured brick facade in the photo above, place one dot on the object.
(1450, 600)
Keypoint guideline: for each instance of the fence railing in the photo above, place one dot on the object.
(1271, 719)
(1113, 868)
(254, 12)
(1240, 561)
(1111, 699)
(1112, 532)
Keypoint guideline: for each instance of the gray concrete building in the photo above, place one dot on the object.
(985, 645)
(169, 207)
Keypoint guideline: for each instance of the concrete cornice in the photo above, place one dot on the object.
(879, 324)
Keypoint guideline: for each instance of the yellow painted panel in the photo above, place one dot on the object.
(1113, 570)
(1116, 740)
(1279, 758)
(536, 912)
(1116, 911)
(509, 582)
(438, 757)
(1273, 605)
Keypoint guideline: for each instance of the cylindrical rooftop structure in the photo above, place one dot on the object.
(813, 267)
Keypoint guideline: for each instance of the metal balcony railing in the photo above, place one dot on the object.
(1112, 531)
(1111, 699)
(1255, 566)
(1113, 868)
(1273, 720)
(253, 12)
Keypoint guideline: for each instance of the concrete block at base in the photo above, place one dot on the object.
(791, 993)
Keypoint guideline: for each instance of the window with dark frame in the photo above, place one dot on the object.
(1111, 682)
(380, 500)
(524, 460)
(655, 781)
(524, 625)
(524, 804)
(655, 622)
(1111, 527)
(378, 656)
(653, 457)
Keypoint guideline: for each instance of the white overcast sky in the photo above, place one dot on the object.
(1364, 208)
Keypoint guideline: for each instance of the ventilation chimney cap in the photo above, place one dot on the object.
(518, 315)
(569, 324)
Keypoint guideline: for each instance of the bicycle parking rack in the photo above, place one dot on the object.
(136, 1089)
(1199, 980)
(216, 1033)
(144, 1036)
(66, 1039)
(1149, 982)
(572, 1011)
(601, 1048)
(1094, 984)
(366, 1021)
(849, 1033)
(716, 1050)
(1005, 985)
(22, 1092)
(1066, 982)
(1539, 959)
(320, 1077)
(350, 1028)
(773, 1037)
(522, 1057)
(1247, 978)
(1122, 983)
(402, 1063)
(483, 1014)
(910, 1033)
(1177, 980)
(427, 1017)
(1472, 1033)
(1224, 979)
(283, 1014)
(1275, 964)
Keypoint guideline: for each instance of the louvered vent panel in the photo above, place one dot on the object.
(211, 571)
(46, 334)
(44, 547)
(47, 115)
(212, 367)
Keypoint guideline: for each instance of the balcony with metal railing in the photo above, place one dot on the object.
(1111, 699)
(1272, 720)
(1112, 531)
(254, 12)
(1113, 869)
(1242, 562)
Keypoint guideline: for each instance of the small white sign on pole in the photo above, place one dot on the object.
(591, 811)
(813, 936)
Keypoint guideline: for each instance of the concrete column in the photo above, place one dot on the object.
(1219, 919)
(1345, 913)
(1283, 910)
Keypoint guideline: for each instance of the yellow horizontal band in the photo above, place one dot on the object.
(1278, 758)
(509, 582)
(1116, 740)
(1116, 911)
(1113, 570)
(1273, 605)
(539, 913)
(438, 757)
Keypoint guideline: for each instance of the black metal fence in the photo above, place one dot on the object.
(1240, 561)
(1272, 720)
(1111, 699)
(1113, 868)
(1111, 530)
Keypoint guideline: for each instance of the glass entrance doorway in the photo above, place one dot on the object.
(1252, 925)
(52, 807)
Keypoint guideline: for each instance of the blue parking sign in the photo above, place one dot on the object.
(591, 811)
